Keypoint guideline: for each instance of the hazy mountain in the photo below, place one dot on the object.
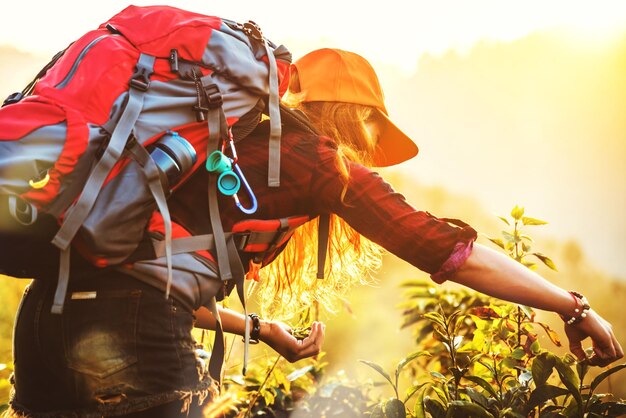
(539, 121)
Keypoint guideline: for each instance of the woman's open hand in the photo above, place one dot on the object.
(278, 335)
(605, 346)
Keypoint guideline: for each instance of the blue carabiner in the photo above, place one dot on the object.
(254, 207)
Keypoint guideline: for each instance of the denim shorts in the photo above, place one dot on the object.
(119, 347)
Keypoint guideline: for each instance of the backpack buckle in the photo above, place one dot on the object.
(13, 98)
(140, 80)
(252, 30)
(241, 240)
(213, 96)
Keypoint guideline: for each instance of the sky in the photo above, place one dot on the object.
(400, 40)
(397, 34)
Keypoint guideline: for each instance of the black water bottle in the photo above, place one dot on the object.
(174, 156)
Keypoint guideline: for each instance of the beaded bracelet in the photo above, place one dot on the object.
(255, 332)
(580, 311)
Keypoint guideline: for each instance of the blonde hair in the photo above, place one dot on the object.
(289, 284)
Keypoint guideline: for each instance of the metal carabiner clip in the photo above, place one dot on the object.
(253, 201)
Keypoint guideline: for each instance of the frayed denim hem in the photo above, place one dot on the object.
(206, 390)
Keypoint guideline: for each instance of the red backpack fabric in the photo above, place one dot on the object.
(146, 72)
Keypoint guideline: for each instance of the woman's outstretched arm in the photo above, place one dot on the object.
(273, 333)
(497, 275)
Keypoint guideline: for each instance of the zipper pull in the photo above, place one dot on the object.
(174, 60)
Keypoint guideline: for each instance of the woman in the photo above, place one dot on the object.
(154, 372)
(340, 94)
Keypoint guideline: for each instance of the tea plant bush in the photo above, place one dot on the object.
(481, 357)
(475, 356)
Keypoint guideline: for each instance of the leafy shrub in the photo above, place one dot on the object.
(475, 356)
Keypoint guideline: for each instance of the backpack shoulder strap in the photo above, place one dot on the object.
(77, 214)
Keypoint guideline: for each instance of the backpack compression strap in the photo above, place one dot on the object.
(217, 354)
(218, 130)
(156, 188)
(273, 179)
(77, 214)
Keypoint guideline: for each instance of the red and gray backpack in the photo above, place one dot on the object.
(122, 117)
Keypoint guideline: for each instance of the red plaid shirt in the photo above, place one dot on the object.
(311, 185)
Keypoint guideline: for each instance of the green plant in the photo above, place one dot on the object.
(475, 356)
(395, 407)
(501, 371)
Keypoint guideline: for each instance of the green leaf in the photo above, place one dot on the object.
(437, 375)
(402, 364)
(436, 318)
(517, 213)
(441, 393)
(484, 384)
(434, 408)
(505, 220)
(379, 369)
(411, 391)
(416, 283)
(554, 337)
(518, 353)
(532, 221)
(528, 311)
(510, 237)
(545, 260)
(465, 408)
(535, 347)
(570, 380)
(477, 397)
(394, 408)
(268, 396)
(604, 375)
(610, 409)
(552, 411)
(419, 406)
(542, 393)
(512, 414)
(529, 264)
(569, 359)
(497, 241)
(542, 368)
(582, 367)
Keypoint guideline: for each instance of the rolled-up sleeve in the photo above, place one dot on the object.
(371, 206)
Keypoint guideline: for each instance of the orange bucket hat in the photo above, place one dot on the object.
(334, 75)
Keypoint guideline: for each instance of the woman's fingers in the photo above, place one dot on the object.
(577, 350)
(608, 351)
(606, 348)
(312, 344)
